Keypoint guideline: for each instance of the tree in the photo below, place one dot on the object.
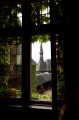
(41, 38)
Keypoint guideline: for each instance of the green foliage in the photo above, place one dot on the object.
(41, 97)
(49, 96)
(6, 65)
(18, 93)
(40, 12)
(41, 38)
(9, 16)
(35, 95)
(11, 92)
(3, 84)
(34, 78)
(15, 92)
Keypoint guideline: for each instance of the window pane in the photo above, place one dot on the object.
(57, 11)
(40, 12)
(41, 68)
(58, 4)
(60, 69)
(10, 16)
(10, 71)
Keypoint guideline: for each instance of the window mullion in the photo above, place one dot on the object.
(26, 52)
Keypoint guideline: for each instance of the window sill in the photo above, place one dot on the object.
(42, 107)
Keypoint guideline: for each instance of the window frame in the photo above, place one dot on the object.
(25, 32)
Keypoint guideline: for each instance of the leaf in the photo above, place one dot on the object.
(41, 38)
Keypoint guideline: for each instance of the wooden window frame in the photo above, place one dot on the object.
(26, 33)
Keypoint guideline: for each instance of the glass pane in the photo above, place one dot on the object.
(41, 68)
(60, 69)
(19, 59)
(10, 71)
(40, 12)
(58, 4)
(10, 16)
(7, 49)
(13, 49)
(57, 11)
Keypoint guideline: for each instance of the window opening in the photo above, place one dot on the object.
(41, 68)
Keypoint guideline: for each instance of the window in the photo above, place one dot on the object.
(10, 50)
(25, 23)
